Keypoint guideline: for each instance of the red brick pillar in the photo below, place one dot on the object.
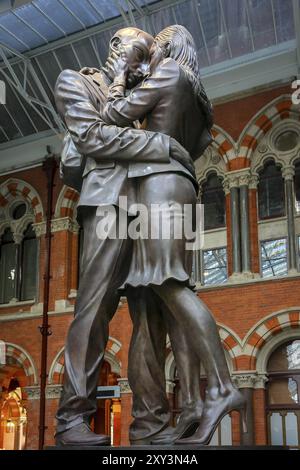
(126, 405)
(53, 393)
(31, 397)
(260, 419)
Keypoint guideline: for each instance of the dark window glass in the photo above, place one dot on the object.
(287, 141)
(8, 267)
(271, 192)
(215, 266)
(297, 187)
(274, 257)
(213, 198)
(29, 265)
(19, 211)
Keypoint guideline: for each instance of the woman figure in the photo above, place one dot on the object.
(172, 100)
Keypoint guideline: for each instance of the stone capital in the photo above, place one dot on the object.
(249, 380)
(253, 181)
(53, 391)
(237, 178)
(64, 223)
(39, 228)
(124, 386)
(288, 172)
(33, 392)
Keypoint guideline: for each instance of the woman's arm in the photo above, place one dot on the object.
(123, 111)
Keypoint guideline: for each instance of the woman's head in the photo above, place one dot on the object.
(177, 43)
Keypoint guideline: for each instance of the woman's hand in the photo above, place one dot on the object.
(118, 65)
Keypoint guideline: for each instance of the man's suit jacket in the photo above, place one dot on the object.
(107, 149)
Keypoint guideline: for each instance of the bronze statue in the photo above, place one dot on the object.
(147, 165)
(109, 154)
(171, 100)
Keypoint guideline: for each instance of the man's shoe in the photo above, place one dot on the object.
(81, 435)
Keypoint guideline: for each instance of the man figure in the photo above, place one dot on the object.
(110, 154)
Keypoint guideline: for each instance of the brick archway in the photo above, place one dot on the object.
(20, 365)
(266, 330)
(112, 356)
(13, 188)
(224, 144)
(278, 109)
(66, 203)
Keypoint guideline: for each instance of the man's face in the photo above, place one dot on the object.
(138, 58)
(135, 46)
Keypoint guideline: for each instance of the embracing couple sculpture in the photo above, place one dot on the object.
(140, 145)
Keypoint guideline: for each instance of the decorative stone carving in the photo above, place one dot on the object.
(249, 380)
(215, 159)
(288, 172)
(39, 228)
(263, 148)
(53, 391)
(253, 181)
(124, 386)
(64, 223)
(33, 393)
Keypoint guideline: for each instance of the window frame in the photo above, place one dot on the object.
(276, 164)
(260, 257)
(202, 265)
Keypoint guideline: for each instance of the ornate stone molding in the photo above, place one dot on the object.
(64, 223)
(235, 179)
(39, 228)
(253, 181)
(249, 380)
(124, 386)
(288, 172)
(244, 276)
(53, 391)
(33, 393)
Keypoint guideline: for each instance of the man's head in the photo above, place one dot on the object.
(135, 44)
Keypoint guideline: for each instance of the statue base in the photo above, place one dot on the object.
(176, 448)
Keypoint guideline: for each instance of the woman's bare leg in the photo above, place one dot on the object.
(201, 330)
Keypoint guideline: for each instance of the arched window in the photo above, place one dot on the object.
(283, 395)
(271, 192)
(213, 198)
(18, 266)
(297, 186)
(29, 267)
(8, 267)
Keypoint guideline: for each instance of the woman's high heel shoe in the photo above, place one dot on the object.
(187, 424)
(214, 411)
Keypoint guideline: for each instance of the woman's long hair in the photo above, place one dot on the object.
(182, 49)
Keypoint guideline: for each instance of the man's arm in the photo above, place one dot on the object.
(93, 138)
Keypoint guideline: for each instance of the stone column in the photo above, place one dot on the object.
(237, 184)
(288, 173)
(231, 185)
(245, 230)
(246, 382)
